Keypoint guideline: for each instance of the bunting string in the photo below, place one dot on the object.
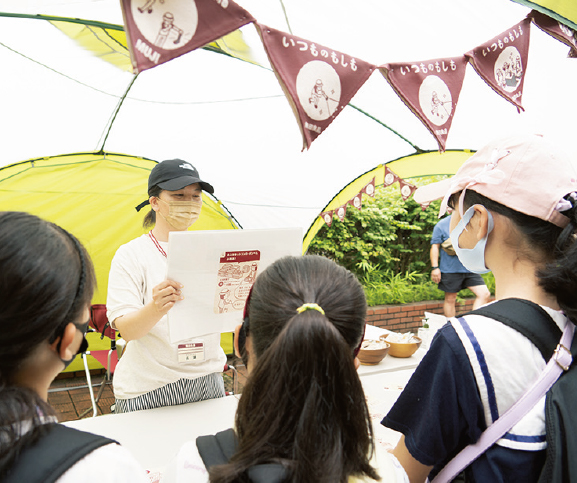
(318, 81)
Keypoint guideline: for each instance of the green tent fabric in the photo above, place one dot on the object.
(85, 193)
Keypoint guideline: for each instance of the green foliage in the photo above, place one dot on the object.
(386, 287)
(388, 232)
(386, 245)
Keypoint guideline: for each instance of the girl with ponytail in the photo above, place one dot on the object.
(302, 416)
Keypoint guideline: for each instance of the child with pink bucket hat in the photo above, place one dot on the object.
(515, 214)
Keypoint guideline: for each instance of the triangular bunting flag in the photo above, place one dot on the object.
(502, 61)
(318, 81)
(424, 206)
(369, 189)
(341, 212)
(159, 32)
(327, 217)
(357, 201)
(407, 189)
(430, 89)
(390, 177)
(556, 29)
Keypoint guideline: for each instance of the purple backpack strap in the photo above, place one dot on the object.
(559, 362)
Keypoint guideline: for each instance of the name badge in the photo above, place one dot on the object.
(191, 352)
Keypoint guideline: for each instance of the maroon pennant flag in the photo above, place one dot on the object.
(369, 189)
(407, 189)
(357, 201)
(160, 31)
(327, 217)
(390, 177)
(318, 81)
(341, 212)
(502, 61)
(556, 29)
(424, 206)
(430, 89)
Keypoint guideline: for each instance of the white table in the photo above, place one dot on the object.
(154, 436)
(382, 390)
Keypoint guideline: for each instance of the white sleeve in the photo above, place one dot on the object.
(186, 467)
(111, 463)
(126, 284)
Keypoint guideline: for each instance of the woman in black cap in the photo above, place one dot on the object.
(149, 373)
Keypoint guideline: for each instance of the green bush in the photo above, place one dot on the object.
(388, 232)
(386, 245)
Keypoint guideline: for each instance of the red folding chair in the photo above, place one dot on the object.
(108, 358)
(229, 367)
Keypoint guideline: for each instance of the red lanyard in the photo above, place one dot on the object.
(155, 241)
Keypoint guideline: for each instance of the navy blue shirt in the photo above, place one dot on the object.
(440, 412)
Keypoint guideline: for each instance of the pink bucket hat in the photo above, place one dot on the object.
(523, 172)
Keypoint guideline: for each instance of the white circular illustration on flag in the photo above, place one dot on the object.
(389, 179)
(435, 100)
(319, 89)
(406, 191)
(357, 201)
(167, 24)
(509, 69)
(370, 189)
(567, 31)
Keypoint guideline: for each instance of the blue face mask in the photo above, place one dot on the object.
(472, 259)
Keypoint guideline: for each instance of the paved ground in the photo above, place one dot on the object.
(70, 396)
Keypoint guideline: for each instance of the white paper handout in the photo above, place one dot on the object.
(217, 269)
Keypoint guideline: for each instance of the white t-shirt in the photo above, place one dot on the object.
(150, 362)
(110, 463)
(188, 466)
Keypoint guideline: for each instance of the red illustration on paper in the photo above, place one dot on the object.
(236, 275)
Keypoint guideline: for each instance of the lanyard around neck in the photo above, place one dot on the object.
(157, 244)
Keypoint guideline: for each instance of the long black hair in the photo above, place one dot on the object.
(46, 281)
(303, 405)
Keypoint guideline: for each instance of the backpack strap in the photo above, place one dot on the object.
(559, 363)
(217, 449)
(53, 454)
(529, 319)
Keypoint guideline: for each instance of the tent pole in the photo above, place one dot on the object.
(414, 146)
(108, 128)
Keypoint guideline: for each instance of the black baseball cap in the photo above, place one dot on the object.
(172, 175)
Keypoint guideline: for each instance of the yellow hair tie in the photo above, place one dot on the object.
(316, 307)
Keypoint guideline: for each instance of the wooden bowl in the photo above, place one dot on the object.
(371, 357)
(404, 349)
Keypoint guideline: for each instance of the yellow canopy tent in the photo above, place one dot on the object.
(93, 196)
(419, 164)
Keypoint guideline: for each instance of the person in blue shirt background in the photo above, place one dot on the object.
(450, 273)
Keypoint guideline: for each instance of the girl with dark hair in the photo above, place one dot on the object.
(302, 416)
(515, 213)
(46, 286)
